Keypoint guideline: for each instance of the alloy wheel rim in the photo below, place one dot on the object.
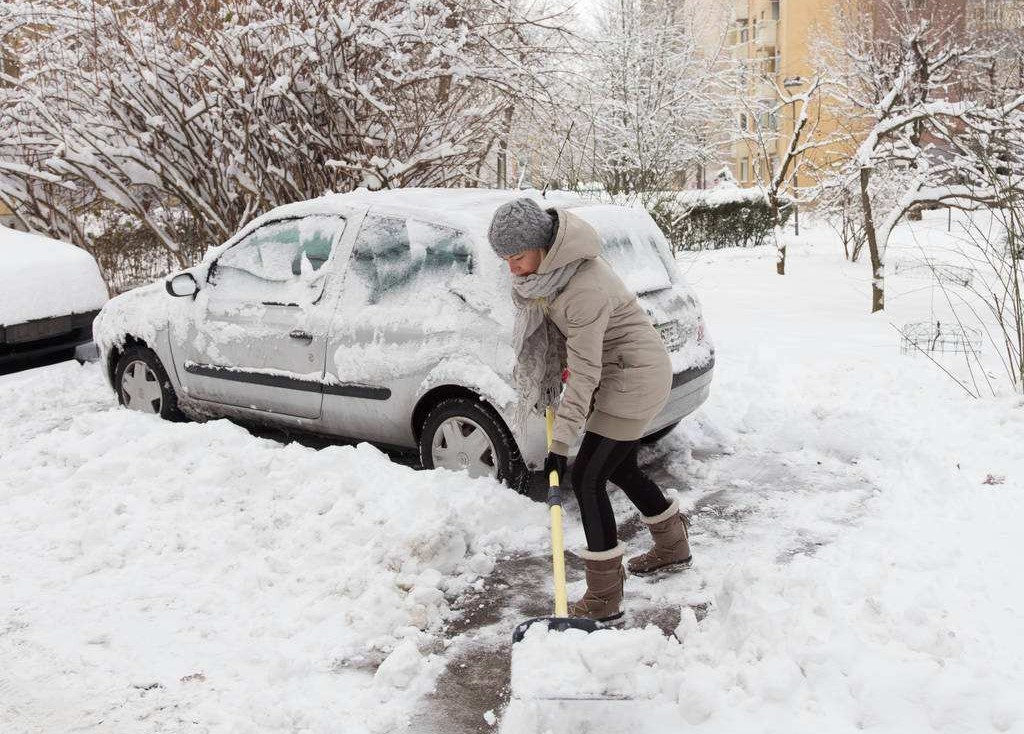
(461, 444)
(140, 388)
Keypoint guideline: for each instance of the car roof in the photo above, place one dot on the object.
(467, 209)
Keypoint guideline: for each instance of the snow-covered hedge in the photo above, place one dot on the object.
(130, 255)
(227, 110)
(711, 219)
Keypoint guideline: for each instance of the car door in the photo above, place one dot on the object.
(396, 319)
(258, 336)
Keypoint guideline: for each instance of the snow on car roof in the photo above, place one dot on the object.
(42, 277)
(467, 209)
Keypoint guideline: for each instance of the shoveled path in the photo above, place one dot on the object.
(738, 505)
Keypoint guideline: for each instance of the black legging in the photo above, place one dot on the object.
(600, 459)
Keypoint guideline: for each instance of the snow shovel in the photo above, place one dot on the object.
(564, 678)
(561, 621)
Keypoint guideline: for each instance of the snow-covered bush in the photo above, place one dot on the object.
(715, 218)
(225, 110)
(130, 255)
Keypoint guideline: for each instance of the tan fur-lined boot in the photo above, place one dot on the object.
(605, 577)
(671, 542)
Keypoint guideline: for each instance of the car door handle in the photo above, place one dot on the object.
(302, 335)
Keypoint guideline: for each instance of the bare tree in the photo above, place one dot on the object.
(902, 75)
(780, 156)
(645, 100)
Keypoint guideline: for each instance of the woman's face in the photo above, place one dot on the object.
(525, 262)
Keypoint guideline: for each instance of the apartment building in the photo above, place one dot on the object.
(773, 41)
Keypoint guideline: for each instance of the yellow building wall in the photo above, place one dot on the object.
(792, 39)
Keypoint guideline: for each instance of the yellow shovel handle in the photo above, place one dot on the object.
(557, 545)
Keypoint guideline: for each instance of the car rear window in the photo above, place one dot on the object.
(631, 243)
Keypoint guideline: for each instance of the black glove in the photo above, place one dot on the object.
(555, 462)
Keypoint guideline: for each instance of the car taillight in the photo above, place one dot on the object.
(700, 330)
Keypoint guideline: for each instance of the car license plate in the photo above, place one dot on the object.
(670, 334)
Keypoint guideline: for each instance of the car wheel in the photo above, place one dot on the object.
(467, 435)
(142, 384)
(660, 434)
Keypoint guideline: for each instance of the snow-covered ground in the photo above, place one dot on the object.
(855, 528)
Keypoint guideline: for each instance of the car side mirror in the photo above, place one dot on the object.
(181, 285)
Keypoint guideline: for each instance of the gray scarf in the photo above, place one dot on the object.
(537, 343)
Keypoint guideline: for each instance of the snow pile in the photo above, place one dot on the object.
(604, 664)
(191, 567)
(41, 277)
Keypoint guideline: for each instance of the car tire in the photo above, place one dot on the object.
(659, 434)
(142, 384)
(482, 443)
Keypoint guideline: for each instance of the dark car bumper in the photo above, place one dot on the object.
(43, 338)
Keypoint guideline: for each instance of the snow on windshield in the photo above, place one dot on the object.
(41, 277)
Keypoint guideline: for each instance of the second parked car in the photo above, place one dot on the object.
(50, 292)
(382, 317)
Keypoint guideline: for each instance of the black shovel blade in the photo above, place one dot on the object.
(558, 624)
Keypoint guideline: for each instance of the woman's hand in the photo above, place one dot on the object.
(555, 462)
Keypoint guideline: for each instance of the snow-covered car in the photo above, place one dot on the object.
(379, 316)
(51, 292)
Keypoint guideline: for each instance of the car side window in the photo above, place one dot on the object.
(391, 253)
(279, 263)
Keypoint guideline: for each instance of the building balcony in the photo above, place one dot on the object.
(766, 35)
(764, 88)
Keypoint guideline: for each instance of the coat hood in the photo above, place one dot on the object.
(574, 240)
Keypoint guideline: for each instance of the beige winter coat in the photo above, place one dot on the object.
(620, 374)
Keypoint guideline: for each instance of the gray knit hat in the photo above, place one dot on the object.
(520, 225)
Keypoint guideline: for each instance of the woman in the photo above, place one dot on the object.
(571, 306)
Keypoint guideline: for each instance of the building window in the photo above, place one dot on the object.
(775, 9)
(744, 169)
(769, 121)
(743, 121)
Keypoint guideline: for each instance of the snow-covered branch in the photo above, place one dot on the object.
(225, 112)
